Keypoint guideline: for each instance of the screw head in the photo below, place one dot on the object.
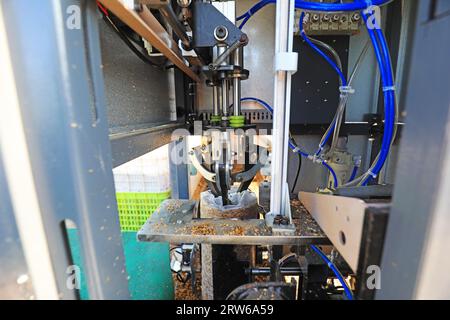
(221, 33)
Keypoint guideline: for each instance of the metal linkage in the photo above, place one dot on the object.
(148, 27)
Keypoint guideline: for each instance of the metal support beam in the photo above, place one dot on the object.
(131, 144)
(61, 146)
(415, 264)
(148, 27)
(20, 181)
(283, 44)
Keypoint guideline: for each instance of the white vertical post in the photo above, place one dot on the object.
(285, 13)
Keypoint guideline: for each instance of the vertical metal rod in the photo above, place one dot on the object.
(172, 94)
(283, 43)
(237, 97)
(237, 61)
(225, 96)
(219, 98)
(216, 101)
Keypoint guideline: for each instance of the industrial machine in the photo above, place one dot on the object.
(292, 172)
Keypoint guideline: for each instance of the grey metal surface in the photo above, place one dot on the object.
(60, 87)
(173, 222)
(367, 192)
(138, 100)
(315, 95)
(15, 282)
(414, 261)
(136, 93)
(366, 82)
(342, 219)
(132, 143)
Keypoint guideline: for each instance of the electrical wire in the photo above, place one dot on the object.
(320, 52)
(337, 273)
(299, 168)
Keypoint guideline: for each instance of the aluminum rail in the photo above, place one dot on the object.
(283, 45)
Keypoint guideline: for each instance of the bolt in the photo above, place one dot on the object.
(221, 33)
(244, 38)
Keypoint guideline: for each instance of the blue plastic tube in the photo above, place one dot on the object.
(320, 52)
(384, 61)
(336, 272)
(314, 6)
(353, 6)
(291, 145)
(332, 64)
(354, 173)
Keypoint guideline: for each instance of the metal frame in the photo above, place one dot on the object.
(341, 219)
(414, 261)
(132, 144)
(65, 150)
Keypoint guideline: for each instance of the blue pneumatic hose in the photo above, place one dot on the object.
(291, 145)
(384, 61)
(314, 6)
(336, 272)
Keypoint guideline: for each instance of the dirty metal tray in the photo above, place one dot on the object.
(174, 221)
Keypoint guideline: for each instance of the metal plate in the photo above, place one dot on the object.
(173, 222)
(315, 95)
(342, 219)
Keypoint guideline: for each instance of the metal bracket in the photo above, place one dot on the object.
(205, 19)
(276, 220)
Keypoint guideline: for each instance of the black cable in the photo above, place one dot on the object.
(299, 168)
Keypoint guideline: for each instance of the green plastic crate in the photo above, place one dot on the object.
(136, 208)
